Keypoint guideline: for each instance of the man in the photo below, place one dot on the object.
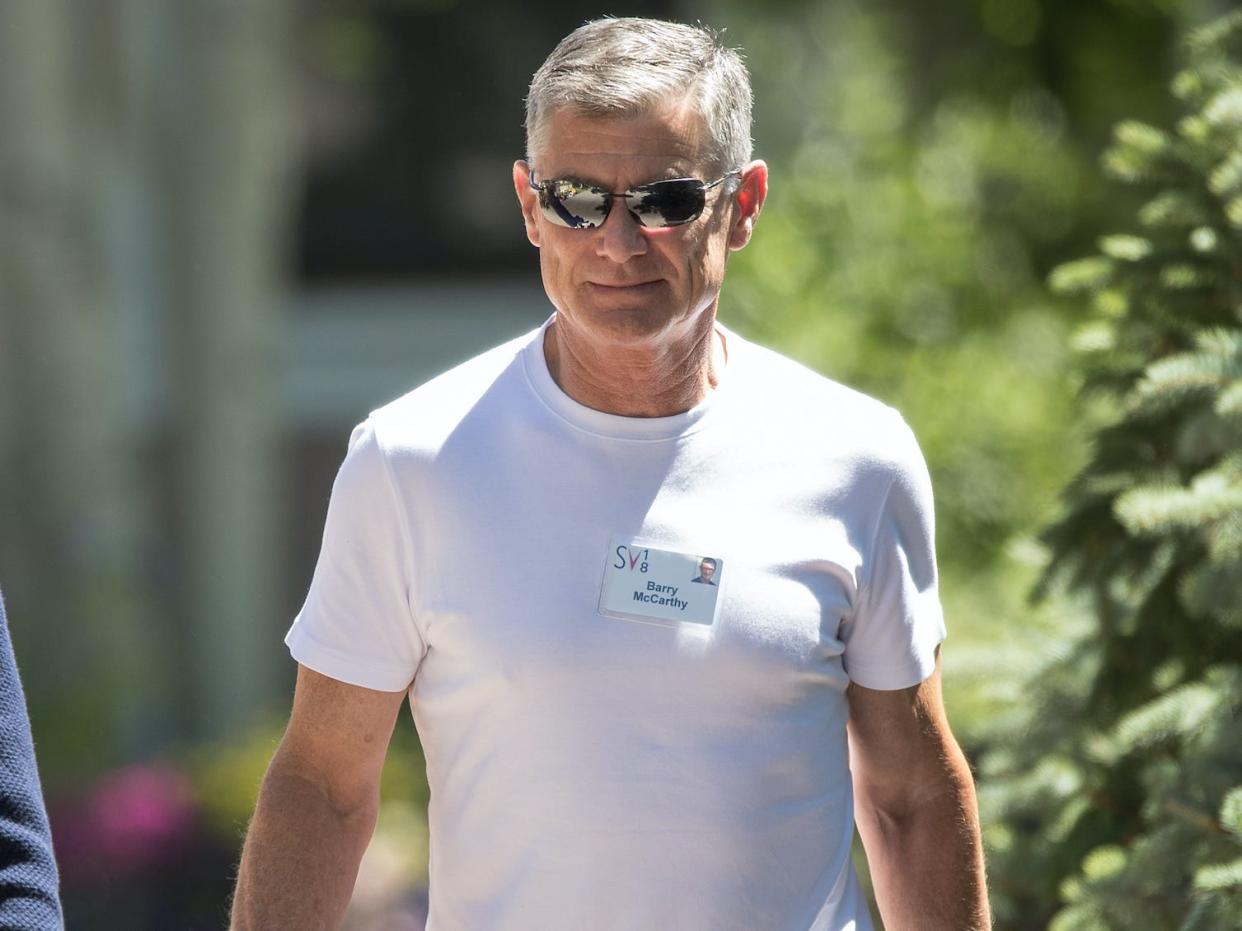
(707, 569)
(609, 754)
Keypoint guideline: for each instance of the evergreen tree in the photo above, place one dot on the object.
(1115, 801)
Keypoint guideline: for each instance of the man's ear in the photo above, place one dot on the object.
(751, 194)
(527, 199)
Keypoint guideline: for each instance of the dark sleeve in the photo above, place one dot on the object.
(28, 880)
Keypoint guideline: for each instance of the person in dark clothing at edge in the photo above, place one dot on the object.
(29, 897)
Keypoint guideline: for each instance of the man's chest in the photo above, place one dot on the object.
(583, 582)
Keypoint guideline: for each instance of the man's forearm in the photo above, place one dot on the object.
(927, 861)
(301, 856)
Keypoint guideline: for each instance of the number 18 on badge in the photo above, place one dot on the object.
(659, 586)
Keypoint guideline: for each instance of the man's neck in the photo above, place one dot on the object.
(637, 382)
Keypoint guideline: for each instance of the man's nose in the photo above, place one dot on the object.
(620, 237)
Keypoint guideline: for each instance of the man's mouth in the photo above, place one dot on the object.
(624, 285)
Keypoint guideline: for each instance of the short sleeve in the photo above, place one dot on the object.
(892, 635)
(357, 624)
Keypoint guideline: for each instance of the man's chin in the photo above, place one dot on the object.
(624, 322)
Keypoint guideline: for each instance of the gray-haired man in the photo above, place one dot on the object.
(609, 746)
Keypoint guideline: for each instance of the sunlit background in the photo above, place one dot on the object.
(228, 230)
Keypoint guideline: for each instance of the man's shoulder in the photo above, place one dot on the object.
(426, 415)
(783, 388)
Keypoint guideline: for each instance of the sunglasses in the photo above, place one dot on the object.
(659, 204)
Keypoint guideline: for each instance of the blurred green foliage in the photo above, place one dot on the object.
(928, 169)
(1116, 797)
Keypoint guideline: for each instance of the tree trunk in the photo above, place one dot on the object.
(224, 143)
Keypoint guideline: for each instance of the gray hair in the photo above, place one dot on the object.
(629, 67)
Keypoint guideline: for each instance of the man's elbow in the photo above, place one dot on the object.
(294, 782)
(930, 790)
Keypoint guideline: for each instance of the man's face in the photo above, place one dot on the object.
(706, 571)
(621, 283)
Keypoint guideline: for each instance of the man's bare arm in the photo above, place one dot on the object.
(317, 808)
(916, 810)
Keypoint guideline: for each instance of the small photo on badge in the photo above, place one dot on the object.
(707, 571)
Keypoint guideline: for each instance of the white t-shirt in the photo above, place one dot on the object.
(590, 769)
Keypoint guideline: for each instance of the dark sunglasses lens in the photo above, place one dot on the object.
(667, 203)
(574, 205)
(659, 204)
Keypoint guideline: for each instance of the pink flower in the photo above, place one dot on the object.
(132, 819)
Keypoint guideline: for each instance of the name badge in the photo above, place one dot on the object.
(646, 583)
